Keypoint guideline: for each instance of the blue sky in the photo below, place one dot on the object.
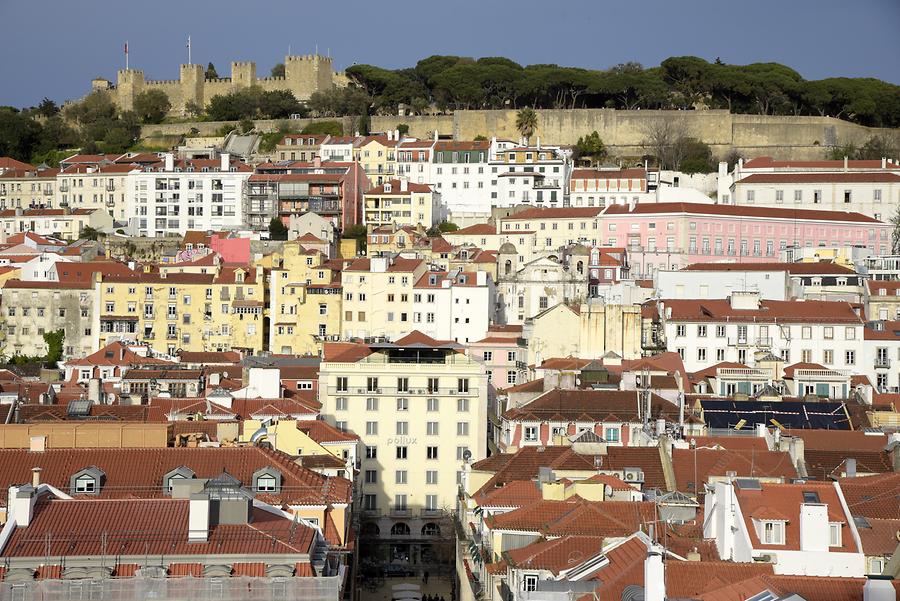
(55, 48)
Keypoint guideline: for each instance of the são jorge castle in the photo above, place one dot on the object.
(303, 75)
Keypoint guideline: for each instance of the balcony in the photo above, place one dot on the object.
(882, 362)
(764, 342)
(740, 341)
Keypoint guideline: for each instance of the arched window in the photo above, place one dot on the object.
(508, 267)
(595, 256)
(431, 529)
(400, 529)
(580, 267)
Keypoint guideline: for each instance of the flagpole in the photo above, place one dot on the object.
(126, 55)
(189, 50)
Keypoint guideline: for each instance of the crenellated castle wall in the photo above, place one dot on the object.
(304, 75)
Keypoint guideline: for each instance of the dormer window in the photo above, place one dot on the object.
(267, 480)
(179, 473)
(834, 534)
(87, 481)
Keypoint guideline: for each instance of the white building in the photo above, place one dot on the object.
(881, 355)
(337, 148)
(802, 529)
(709, 331)
(533, 175)
(460, 172)
(868, 187)
(454, 305)
(172, 197)
(523, 293)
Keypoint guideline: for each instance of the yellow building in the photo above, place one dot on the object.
(299, 147)
(378, 157)
(95, 187)
(305, 301)
(219, 311)
(400, 203)
(883, 299)
(23, 188)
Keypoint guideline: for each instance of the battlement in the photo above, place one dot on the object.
(131, 72)
(162, 82)
(242, 64)
(307, 57)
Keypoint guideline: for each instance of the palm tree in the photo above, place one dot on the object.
(526, 122)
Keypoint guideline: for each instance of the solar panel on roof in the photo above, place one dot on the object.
(861, 522)
(79, 408)
(748, 483)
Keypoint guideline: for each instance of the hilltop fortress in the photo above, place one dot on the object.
(303, 75)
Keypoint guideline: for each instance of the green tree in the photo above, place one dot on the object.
(152, 106)
(278, 70)
(591, 147)
(277, 229)
(245, 126)
(280, 104)
(403, 128)
(697, 157)
(47, 108)
(193, 109)
(895, 234)
(447, 226)
(526, 122)
(211, 72)
(89, 233)
(54, 341)
(19, 135)
(333, 128)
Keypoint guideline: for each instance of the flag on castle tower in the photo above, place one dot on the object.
(126, 47)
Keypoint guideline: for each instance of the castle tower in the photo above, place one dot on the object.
(192, 81)
(129, 83)
(243, 74)
(307, 74)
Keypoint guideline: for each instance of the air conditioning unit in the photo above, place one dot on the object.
(633, 474)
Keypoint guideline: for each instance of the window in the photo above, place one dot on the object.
(529, 583)
(828, 332)
(511, 376)
(400, 477)
(462, 385)
(371, 477)
(371, 404)
(773, 533)
(433, 387)
(372, 428)
(342, 384)
(372, 384)
(531, 433)
(402, 428)
(612, 435)
(542, 302)
(340, 403)
(462, 405)
(401, 452)
(806, 332)
(720, 331)
(488, 355)
(462, 428)
(431, 428)
(431, 452)
(834, 534)
(850, 358)
(701, 354)
(371, 452)
(701, 331)
(461, 453)
(680, 330)
(85, 485)
(431, 477)
(403, 404)
(369, 503)
(850, 333)
(266, 483)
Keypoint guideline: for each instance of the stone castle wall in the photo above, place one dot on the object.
(303, 76)
(786, 137)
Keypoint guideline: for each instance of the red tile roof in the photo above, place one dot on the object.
(147, 526)
(139, 472)
(11, 163)
(633, 173)
(879, 536)
(693, 467)
(577, 516)
(732, 443)
(875, 496)
(512, 494)
(478, 229)
(208, 357)
(822, 464)
(344, 352)
(713, 310)
(845, 440)
(555, 213)
(809, 588)
(820, 178)
(588, 406)
(462, 145)
(766, 162)
(323, 432)
(396, 189)
(817, 268)
(555, 555)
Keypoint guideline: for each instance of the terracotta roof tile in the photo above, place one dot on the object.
(693, 467)
(722, 210)
(555, 555)
(876, 496)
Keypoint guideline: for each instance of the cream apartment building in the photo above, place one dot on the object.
(95, 187)
(402, 203)
(378, 296)
(419, 407)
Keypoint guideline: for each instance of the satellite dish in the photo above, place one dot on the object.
(467, 454)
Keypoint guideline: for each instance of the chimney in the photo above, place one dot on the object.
(883, 163)
(567, 380)
(435, 135)
(397, 135)
(224, 162)
(845, 163)
(850, 467)
(538, 142)
(21, 504)
(94, 390)
(317, 162)
(198, 518)
(170, 162)
(813, 537)
(654, 574)
(35, 477)
(214, 379)
(876, 589)
(693, 555)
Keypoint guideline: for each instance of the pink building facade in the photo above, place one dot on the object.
(672, 235)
